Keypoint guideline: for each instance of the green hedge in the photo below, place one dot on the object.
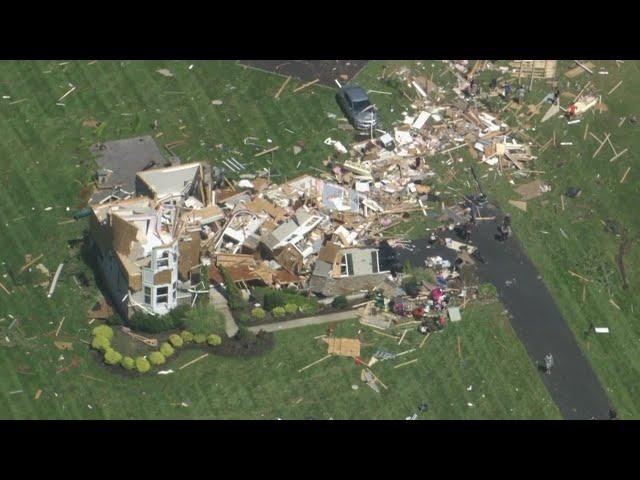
(176, 340)
(104, 331)
(112, 357)
(258, 313)
(166, 349)
(291, 308)
(100, 343)
(214, 340)
(199, 338)
(159, 323)
(278, 311)
(273, 299)
(156, 358)
(187, 336)
(127, 363)
(142, 365)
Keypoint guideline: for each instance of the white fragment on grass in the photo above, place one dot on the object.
(48, 208)
(165, 372)
(470, 404)
(164, 72)
(217, 102)
(469, 388)
(191, 67)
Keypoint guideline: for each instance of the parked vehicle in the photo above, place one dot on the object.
(357, 107)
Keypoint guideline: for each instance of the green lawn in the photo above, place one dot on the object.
(44, 163)
(504, 384)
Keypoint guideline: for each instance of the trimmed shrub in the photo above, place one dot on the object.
(309, 308)
(104, 331)
(186, 336)
(112, 357)
(214, 340)
(272, 300)
(243, 318)
(166, 349)
(291, 308)
(204, 319)
(127, 363)
(200, 338)
(142, 365)
(176, 340)
(278, 311)
(100, 343)
(258, 313)
(156, 358)
(340, 302)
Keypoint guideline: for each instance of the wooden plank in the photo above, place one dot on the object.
(579, 276)
(586, 130)
(403, 335)
(377, 379)
(625, 175)
(617, 155)
(28, 264)
(60, 326)
(395, 337)
(601, 145)
(5, 289)
(614, 88)
(306, 85)
(580, 64)
(193, 361)
(314, 363)
(55, 280)
(284, 84)
(264, 152)
(406, 363)
(424, 340)
(562, 201)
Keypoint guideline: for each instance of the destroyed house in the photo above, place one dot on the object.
(340, 271)
(137, 255)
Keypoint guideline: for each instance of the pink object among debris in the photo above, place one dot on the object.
(436, 294)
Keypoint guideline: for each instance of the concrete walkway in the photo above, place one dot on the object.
(304, 322)
(220, 304)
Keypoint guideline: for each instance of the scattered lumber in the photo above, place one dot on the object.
(306, 85)
(424, 340)
(152, 342)
(55, 280)
(614, 88)
(578, 276)
(619, 154)
(29, 263)
(193, 361)
(5, 289)
(601, 145)
(284, 84)
(313, 363)
(625, 175)
(264, 152)
(406, 363)
(60, 326)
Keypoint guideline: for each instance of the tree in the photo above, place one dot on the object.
(234, 296)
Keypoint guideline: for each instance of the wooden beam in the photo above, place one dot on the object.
(614, 88)
(28, 264)
(580, 64)
(55, 280)
(406, 363)
(264, 152)
(601, 145)
(424, 340)
(402, 337)
(579, 276)
(306, 85)
(625, 175)
(314, 363)
(60, 326)
(193, 361)
(5, 289)
(284, 84)
(617, 155)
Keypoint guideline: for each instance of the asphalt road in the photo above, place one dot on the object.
(540, 326)
(308, 70)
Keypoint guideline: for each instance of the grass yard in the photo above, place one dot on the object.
(504, 384)
(589, 250)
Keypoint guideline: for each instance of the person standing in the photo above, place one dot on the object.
(548, 363)
(521, 94)
(507, 90)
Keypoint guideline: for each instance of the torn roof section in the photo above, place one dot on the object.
(171, 181)
(120, 160)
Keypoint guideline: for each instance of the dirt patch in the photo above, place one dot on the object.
(245, 345)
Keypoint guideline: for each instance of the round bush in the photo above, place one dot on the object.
(258, 313)
(308, 308)
(127, 363)
(214, 340)
(111, 357)
(278, 311)
(340, 302)
(200, 338)
(291, 308)
(100, 343)
(187, 337)
(166, 349)
(142, 365)
(176, 340)
(103, 330)
(156, 358)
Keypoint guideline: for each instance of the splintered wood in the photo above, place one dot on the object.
(344, 347)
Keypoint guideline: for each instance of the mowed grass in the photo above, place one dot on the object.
(589, 250)
(493, 374)
(44, 162)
